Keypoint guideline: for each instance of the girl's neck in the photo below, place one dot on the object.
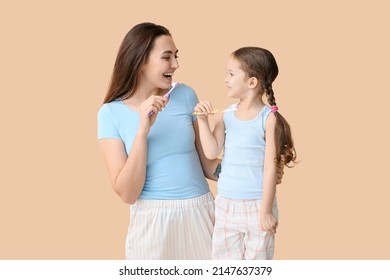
(251, 103)
(249, 108)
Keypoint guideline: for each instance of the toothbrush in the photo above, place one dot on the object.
(166, 96)
(214, 111)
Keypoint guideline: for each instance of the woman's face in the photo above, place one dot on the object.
(161, 64)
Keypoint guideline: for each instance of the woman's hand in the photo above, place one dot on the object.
(153, 104)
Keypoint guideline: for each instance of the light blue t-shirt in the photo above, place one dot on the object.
(243, 159)
(173, 169)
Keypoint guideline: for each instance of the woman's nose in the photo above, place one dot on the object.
(175, 63)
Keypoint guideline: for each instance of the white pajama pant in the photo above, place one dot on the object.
(237, 233)
(171, 229)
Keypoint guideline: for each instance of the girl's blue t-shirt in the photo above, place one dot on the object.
(173, 169)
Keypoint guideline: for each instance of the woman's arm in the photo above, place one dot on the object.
(267, 219)
(127, 173)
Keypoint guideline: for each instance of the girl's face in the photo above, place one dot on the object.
(236, 80)
(161, 64)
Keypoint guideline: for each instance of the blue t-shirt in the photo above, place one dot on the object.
(173, 169)
(243, 159)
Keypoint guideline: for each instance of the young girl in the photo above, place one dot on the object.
(256, 138)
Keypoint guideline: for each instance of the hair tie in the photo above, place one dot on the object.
(274, 108)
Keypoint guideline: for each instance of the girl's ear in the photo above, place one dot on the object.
(252, 82)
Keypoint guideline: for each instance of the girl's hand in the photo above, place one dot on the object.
(268, 222)
(204, 107)
(152, 104)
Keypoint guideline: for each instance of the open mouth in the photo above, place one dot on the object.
(168, 75)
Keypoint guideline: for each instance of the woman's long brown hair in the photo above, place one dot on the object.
(261, 64)
(132, 54)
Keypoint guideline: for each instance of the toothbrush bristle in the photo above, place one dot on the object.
(174, 84)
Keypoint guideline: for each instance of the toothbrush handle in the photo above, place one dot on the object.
(166, 96)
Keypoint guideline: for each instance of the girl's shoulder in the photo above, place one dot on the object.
(228, 112)
(265, 110)
(268, 118)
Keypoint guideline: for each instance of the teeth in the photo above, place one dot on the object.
(168, 74)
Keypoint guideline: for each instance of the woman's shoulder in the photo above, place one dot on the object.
(109, 107)
(111, 103)
(185, 88)
(185, 93)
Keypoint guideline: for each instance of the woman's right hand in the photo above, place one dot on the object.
(153, 104)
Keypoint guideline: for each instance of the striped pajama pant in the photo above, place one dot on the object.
(237, 234)
(171, 229)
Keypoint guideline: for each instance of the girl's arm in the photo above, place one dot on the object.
(209, 166)
(267, 219)
(127, 173)
(212, 142)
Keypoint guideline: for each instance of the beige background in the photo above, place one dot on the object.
(56, 62)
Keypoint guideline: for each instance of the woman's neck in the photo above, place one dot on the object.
(140, 95)
(143, 92)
